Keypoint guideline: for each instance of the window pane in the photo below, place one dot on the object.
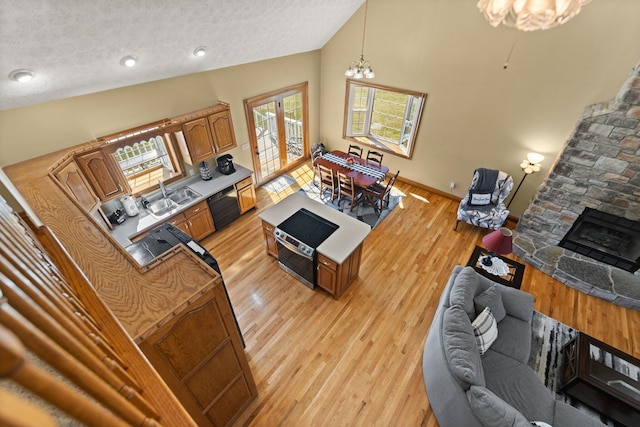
(293, 126)
(382, 117)
(388, 115)
(359, 110)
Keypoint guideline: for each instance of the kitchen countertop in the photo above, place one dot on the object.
(350, 234)
(144, 221)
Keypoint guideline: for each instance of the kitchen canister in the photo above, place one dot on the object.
(129, 204)
(205, 171)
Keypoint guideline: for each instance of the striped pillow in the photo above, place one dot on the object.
(485, 330)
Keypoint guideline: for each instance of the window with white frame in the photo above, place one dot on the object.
(383, 117)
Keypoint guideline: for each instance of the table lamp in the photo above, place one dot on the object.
(497, 242)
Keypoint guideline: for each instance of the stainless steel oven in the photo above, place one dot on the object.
(297, 238)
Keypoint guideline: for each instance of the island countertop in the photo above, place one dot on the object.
(350, 234)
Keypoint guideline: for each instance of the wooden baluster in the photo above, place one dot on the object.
(77, 346)
(16, 411)
(14, 365)
(31, 286)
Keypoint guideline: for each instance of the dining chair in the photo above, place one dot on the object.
(354, 150)
(315, 155)
(327, 180)
(374, 156)
(378, 194)
(347, 188)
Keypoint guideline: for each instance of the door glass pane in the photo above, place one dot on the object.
(293, 126)
(266, 126)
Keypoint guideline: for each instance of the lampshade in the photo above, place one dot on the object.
(499, 241)
(530, 15)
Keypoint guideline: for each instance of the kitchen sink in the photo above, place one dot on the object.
(161, 207)
(183, 195)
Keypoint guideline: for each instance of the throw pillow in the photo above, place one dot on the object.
(493, 411)
(460, 348)
(485, 330)
(479, 198)
(463, 289)
(492, 298)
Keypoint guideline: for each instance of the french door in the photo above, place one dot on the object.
(278, 130)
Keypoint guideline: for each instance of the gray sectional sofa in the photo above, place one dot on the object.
(496, 388)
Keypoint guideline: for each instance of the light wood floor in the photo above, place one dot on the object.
(358, 361)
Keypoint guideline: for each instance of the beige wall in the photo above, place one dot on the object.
(40, 129)
(478, 114)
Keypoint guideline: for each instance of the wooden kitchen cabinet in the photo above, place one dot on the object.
(269, 239)
(198, 221)
(207, 135)
(72, 180)
(335, 278)
(246, 194)
(200, 356)
(75, 183)
(327, 274)
(222, 132)
(105, 177)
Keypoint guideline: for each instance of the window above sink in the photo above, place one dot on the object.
(145, 155)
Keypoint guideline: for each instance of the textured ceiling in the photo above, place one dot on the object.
(75, 46)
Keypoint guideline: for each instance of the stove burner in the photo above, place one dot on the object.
(308, 228)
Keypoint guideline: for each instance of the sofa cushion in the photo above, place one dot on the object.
(491, 298)
(514, 339)
(519, 386)
(493, 411)
(567, 415)
(485, 329)
(463, 290)
(460, 348)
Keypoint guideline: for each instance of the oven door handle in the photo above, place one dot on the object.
(293, 248)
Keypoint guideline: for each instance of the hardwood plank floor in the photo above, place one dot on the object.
(358, 360)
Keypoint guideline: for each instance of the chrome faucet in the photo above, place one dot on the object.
(162, 188)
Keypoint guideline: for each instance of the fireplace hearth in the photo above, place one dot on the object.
(606, 238)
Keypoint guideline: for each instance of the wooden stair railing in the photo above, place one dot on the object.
(42, 315)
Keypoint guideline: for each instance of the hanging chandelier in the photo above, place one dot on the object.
(530, 15)
(361, 68)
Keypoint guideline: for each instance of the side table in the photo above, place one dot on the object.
(603, 377)
(513, 278)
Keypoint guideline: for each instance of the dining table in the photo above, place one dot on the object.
(364, 172)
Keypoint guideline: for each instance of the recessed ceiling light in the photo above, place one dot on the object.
(22, 76)
(128, 61)
(200, 51)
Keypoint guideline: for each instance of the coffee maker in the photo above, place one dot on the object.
(225, 164)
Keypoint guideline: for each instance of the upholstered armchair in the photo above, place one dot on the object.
(483, 205)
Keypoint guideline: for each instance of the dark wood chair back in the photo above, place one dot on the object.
(354, 150)
(378, 194)
(374, 156)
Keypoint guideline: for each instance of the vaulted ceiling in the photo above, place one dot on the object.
(75, 46)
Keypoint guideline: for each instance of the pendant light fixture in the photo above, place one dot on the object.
(361, 68)
(530, 15)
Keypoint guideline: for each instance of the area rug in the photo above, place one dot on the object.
(363, 211)
(547, 341)
(279, 184)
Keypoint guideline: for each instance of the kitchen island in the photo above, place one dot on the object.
(338, 257)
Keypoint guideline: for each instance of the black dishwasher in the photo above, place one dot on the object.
(224, 207)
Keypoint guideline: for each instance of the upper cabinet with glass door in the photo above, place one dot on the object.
(382, 117)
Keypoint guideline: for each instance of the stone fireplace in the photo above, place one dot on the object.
(583, 224)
